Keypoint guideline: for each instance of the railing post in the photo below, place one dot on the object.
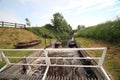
(15, 25)
(103, 57)
(5, 58)
(2, 23)
(107, 76)
(45, 74)
(0, 55)
(47, 59)
(24, 26)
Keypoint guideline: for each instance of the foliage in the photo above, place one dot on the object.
(108, 31)
(28, 22)
(60, 24)
(80, 27)
(59, 28)
(49, 32)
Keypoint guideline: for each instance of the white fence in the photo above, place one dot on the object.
(48, 59)
(9, 24)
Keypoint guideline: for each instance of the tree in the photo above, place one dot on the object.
(28, 23)
(69, 28)
(80, 27)
(59, 23)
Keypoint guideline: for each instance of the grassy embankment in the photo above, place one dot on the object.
(112, 59)
(104, 35)
(10, 36)
(50, 32)
(108, 31)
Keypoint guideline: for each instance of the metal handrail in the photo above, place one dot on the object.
(48, 62)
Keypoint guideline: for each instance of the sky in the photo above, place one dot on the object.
(76, 12)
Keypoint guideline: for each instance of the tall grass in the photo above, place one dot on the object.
(108, 31)
(49, 32)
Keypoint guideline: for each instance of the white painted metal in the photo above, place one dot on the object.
(72, 39)
(74, 49)
(54, 49)
(55, 65)
(103, 70)
(0, 55)
(103, 57)
(21, 49)
(59, 57)
(5, 58)
(28, 64)
(3, 67)
(46, 58)
(45, 74)
(48, 62)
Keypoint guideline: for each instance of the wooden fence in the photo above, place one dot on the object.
(9, 24)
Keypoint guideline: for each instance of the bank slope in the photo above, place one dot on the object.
(10, 36)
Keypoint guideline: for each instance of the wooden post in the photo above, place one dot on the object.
(50, 40)
(45, 40)
(25, 67)
(24, 26)
(15, 25)
(45, 37)
(2, 23)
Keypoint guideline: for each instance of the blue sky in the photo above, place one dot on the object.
(40, 12)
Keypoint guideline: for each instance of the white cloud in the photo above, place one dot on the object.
(70, 5)
(9, 17)
(88, 22)
(85, 5)
(29, 1)
(118, 13)
(106, 3)
(48, 16)
(96, 5)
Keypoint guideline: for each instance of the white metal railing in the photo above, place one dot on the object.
(48, 62)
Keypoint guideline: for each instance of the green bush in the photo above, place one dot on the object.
(108, 31)
(49, 32)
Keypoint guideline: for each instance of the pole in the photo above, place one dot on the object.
(2, 23)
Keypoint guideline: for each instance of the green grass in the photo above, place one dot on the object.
(49, 32)
(21, 53)
(111, 63)
(108, 34)
(14, 54)
(10, 36)
(108, 31)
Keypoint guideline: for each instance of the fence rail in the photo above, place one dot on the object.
(9, 24)
(48, 62)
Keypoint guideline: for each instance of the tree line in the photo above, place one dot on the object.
(58, 28)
